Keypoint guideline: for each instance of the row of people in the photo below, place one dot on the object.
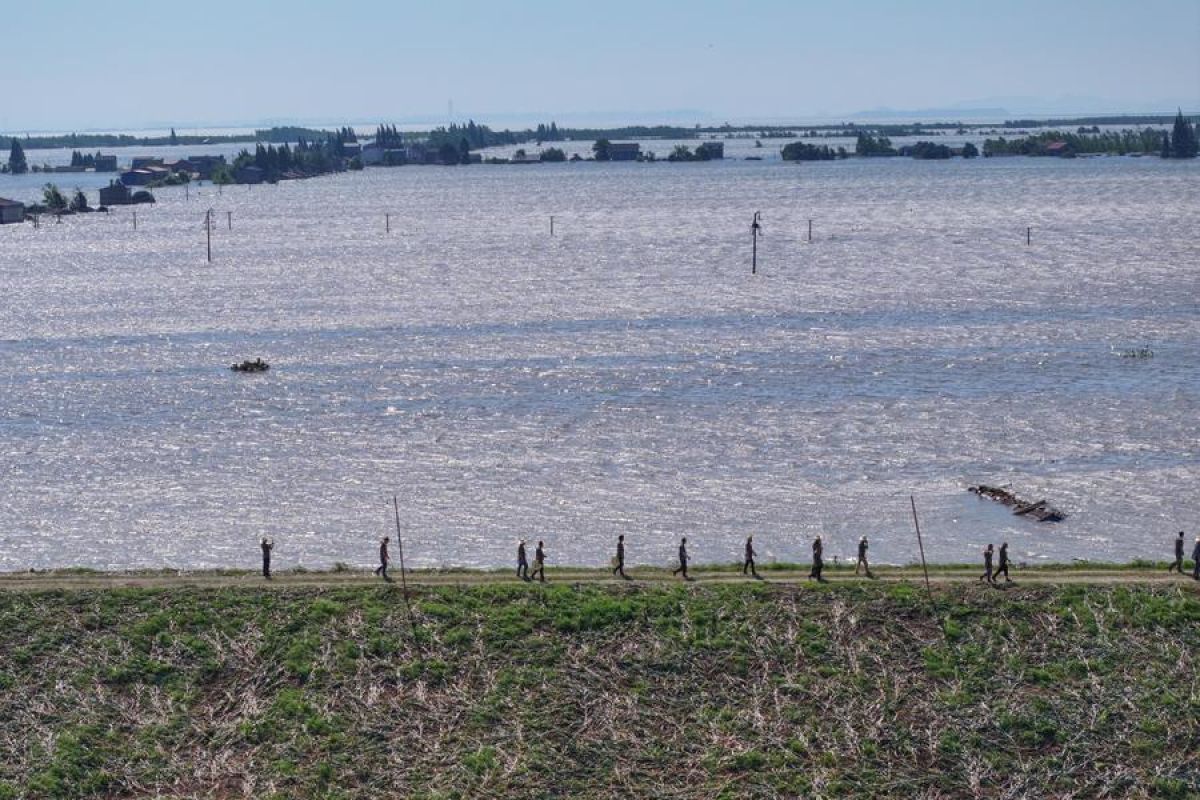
(748, 563)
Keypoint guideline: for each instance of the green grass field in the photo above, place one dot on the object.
(605, 691)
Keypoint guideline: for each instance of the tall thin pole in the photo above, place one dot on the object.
(208, 232)
(135, 220)
(403, 579)
(229, 219)
(921, 547)
(387, 223)
(551, 224)
(1028, 236)
(754, 229)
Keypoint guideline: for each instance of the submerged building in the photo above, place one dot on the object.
(11, 211)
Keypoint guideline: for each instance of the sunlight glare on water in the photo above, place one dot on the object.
(627, 375)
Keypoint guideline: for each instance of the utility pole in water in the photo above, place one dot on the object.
(755, 227)
(208, 232)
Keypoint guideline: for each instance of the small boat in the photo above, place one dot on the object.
(257, 365)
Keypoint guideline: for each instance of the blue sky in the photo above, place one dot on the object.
(128, 63)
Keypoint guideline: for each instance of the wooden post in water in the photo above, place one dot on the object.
(754, 229)
(1028, 236)
(229, 219)
(403, 580)
(387, 223)
(810, 230)
(551, 224)
(208, 232)
(135, 220)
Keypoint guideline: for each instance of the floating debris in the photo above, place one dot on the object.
(1040, 510)
(1139, 352)
(257, 365)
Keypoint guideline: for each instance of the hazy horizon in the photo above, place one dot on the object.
(147, 66)
(517, 120)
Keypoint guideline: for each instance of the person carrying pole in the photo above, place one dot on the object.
(683, 559)
(384, 559)
(818, 562)
(749, 563)
(1177, 564)
(862, 557)
(1196, 560)
(267, 546)
(539, 562)
(987, 564)
(619, 569)
(1003, 567)
(522, 561)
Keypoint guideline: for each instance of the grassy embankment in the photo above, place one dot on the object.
(511, 690)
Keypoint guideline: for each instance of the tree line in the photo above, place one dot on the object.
(305, 160)
(276, 135)
(1180, 142)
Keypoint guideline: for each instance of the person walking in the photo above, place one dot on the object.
(539, 562)
(987, 564)
(818, 561)
(384, 559)
(683, 559)
(619, 569)
(1196, 560)
(267, 546)
(749, 563)
(1177, 564)
(1003, 566)
(522, 562)
(862, 557)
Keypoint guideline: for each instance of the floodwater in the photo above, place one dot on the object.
(627, 375)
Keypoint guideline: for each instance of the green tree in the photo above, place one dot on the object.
(1183, 138)
(1166, 145)
(801, 151)
(79, 202)
(17, 164)
(602, 150)
(681, 153)
(868, 145)
(54, 199)
(448, 154)
(222, 175)
(928, 151)
(970, 150)
(553, 154)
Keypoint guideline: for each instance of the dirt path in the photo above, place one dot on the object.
(72, 581)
